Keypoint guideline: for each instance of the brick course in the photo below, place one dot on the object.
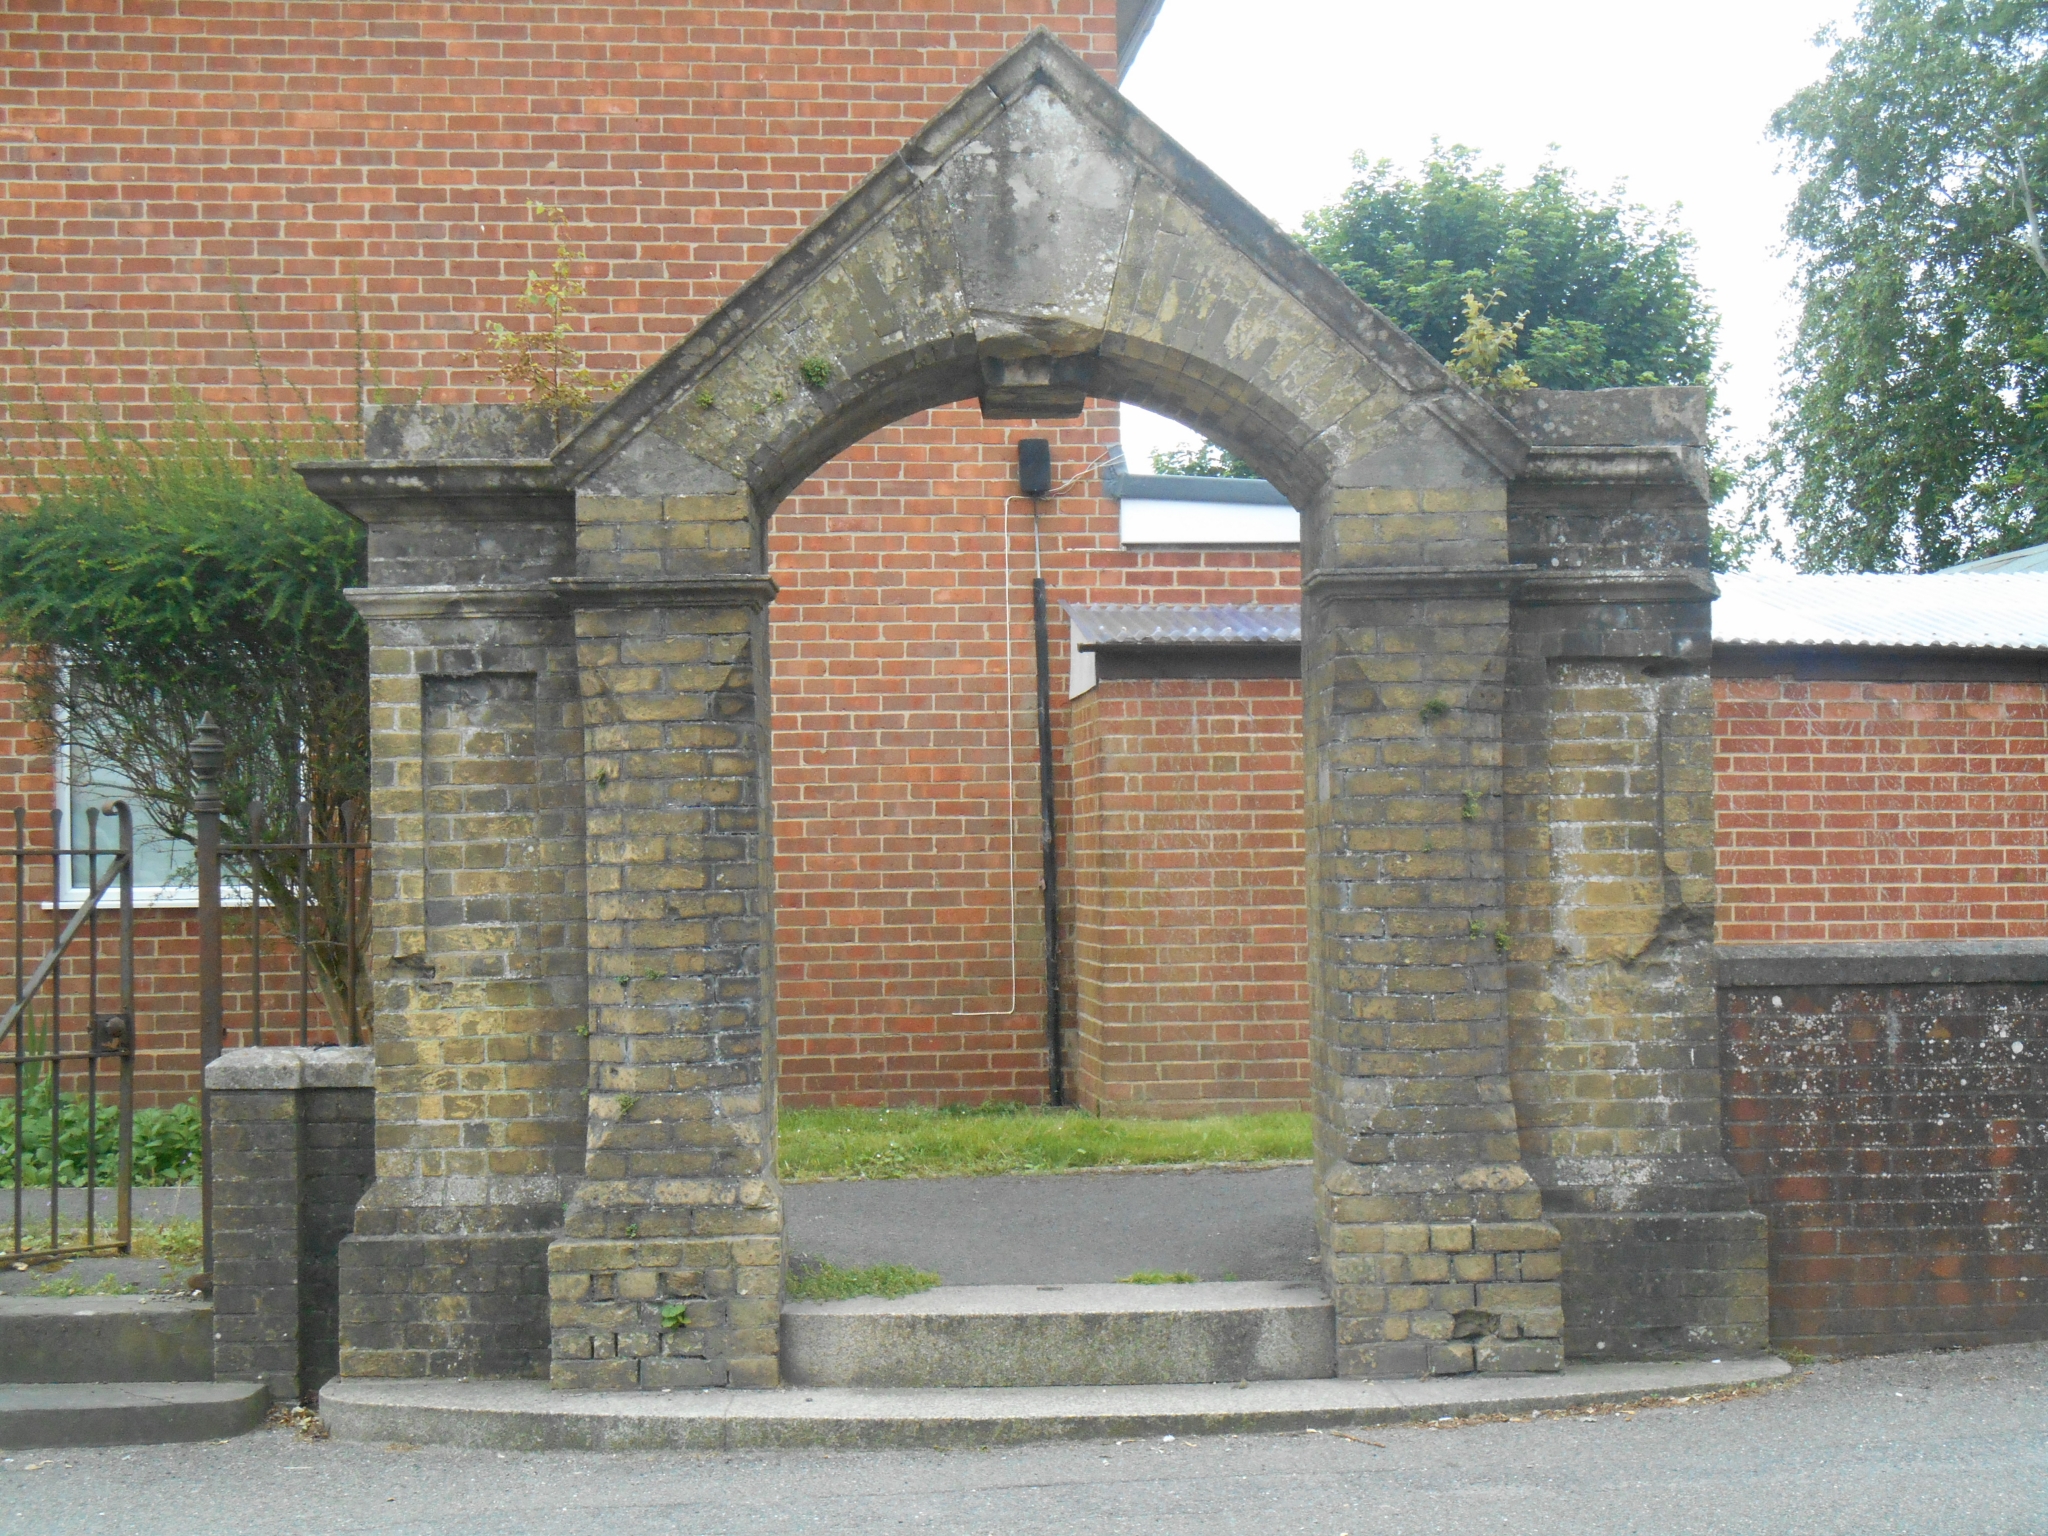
(1190, 939)
(1853, 810)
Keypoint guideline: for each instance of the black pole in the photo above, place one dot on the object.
(1047, 848)
(208, 752)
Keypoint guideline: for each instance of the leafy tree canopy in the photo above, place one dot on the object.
(1605, 291)
(1913, 429)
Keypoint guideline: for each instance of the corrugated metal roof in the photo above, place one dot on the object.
(2033, 558)
(1100, 624)
(1991, 612)
(1995, 611)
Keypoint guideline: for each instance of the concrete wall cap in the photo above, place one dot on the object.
(284, 1068)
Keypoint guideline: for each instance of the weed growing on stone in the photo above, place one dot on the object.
(66, 1285)
(817, 1280)
(1160, 1277)
(175, 1242)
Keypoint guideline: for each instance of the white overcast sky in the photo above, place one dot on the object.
(1672, 99)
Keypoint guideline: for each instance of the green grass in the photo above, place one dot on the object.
(1009, 1138)
(1160, 1277)
(175, 1242)
(816, 1280)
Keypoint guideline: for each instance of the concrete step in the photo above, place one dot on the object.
(528, 1416)
(1063, 1336)
(51, 1339)
(128, 1412)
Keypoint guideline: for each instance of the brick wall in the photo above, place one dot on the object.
(1189, 931)
(1894, 1135)
(192, 182)
(1855, 810)
(910, 959)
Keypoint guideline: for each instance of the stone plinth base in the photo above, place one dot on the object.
(665, 1312)
(444, 1304)
(1649, 1286)
(1459, 1279)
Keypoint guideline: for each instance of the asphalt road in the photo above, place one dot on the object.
(1918, 1445)
(1068, 1228)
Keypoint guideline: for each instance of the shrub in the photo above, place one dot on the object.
(166, 1140)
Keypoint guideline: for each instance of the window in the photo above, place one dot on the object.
(163, 867)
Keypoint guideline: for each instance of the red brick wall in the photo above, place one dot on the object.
(1894, 1136)
(1859, 810)
(191, 180)
(909, 951)
(1190, 937)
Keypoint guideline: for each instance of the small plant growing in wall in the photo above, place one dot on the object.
(1483, 354)
(674, 1314)
(1434, 711)
(542, 358)
(1469, 811)
(815, 371)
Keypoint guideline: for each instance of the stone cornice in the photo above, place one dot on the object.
(751, 592)
(1650, 464)
(1680, 585)
(1520, 583)
(451, 602)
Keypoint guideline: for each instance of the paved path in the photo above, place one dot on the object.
(1068, 1228)
(1922, 1445)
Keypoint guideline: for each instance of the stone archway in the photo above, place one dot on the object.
(574, 899)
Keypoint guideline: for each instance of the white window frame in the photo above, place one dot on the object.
(70, 895)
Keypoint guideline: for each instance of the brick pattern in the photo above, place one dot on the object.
(1895, 1138)
(1190, 941)
(1863, 811)
(289, 1166)
(1437, 1253)
(1614, 1060)
(342, 184)
(909, 958)
(477, 905)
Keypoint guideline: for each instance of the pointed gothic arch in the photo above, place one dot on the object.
(1039, 243)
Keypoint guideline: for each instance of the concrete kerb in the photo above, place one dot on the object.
(528, 1416)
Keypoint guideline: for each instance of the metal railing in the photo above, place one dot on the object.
(55, 1037)
(314, 893)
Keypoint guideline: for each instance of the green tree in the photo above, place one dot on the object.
(1913, 428)
(155, 579)
(1604, 289)
(1545, 284)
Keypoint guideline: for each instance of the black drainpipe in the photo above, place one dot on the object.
(1034, 479)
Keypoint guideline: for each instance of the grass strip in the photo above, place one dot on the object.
(816, 1280)
(1160, 1277)
(1009, 1138)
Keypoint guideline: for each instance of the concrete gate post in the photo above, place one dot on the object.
(1434, 1244)
(668, 1272)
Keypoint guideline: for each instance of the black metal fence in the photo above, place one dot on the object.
(306, 901)
(62, 1051)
